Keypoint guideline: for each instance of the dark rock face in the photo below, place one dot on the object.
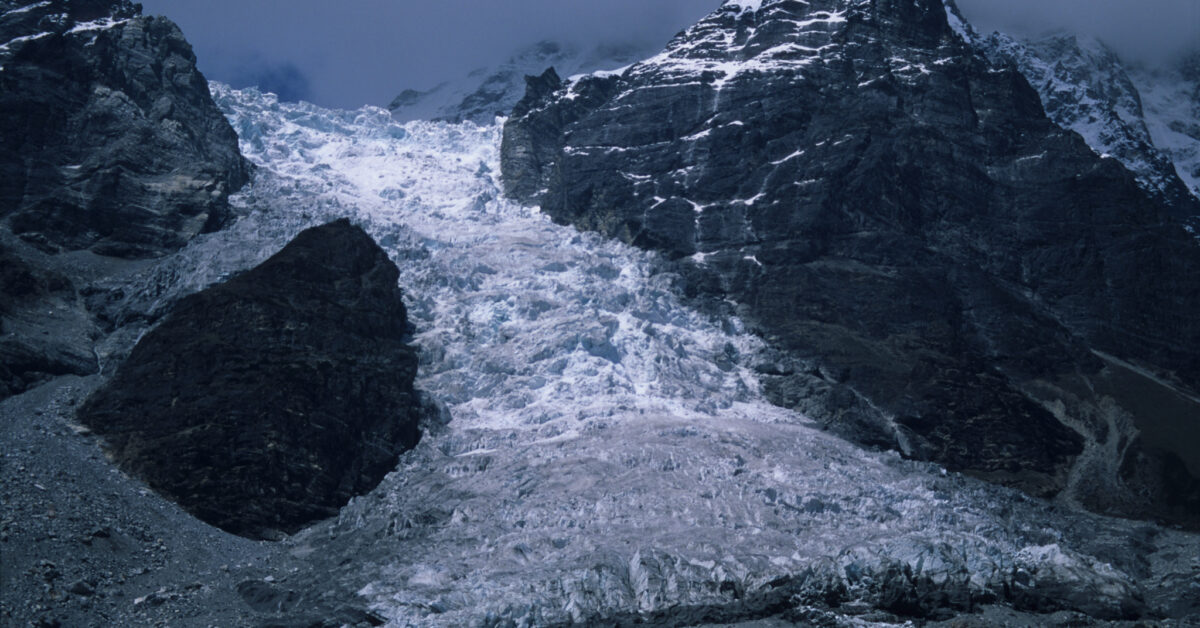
(268, 401)
(935, 261)
(109, 140)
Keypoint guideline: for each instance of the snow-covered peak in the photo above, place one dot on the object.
(490, 91)
(769, 36)
(1085, 87)
(750, 36)
(1171, 107)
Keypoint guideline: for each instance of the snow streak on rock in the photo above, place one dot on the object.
(609, 450)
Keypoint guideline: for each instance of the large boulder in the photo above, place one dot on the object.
(110, 140)
(266, 402)
(938, 266)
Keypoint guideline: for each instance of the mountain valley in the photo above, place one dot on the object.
(831, 313)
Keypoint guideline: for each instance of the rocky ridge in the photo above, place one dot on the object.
(942, 269)
(111, 140)
(1085, 87)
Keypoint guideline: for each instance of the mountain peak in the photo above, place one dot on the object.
(769, 36)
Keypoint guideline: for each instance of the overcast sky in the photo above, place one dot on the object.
(355, 52)
(1145, 29)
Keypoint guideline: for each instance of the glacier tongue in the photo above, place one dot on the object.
(609, 452)
(523, 324)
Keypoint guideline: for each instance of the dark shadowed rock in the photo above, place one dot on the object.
(941, 268)
(43, 332)
(109, 140)
(267, 402)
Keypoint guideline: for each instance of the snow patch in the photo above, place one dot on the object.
(20, 40)
(96, 25)
(27, 8)
(957, 23)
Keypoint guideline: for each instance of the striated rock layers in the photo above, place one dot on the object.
(109, 140)
(941, 268)
(266, 402)
(110, 145)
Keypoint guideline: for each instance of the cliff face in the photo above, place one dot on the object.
(111, 150)
(268, 401)
(941, 268)
(111, 141)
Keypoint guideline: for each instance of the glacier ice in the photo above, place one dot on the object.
(609, 450)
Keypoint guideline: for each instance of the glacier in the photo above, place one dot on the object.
(606, 450)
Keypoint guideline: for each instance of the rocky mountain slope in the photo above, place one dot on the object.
(1171, 103)
(111, 149)
(612, 456)
(943, 269)
(492, 91)
(1085, 87)
(111, 142)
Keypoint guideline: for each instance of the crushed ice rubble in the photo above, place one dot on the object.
(609, 450)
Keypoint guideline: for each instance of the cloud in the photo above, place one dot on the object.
(1142, 29)
(346, 54)
(283, 79)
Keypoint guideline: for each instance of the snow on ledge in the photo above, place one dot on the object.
(957, 24)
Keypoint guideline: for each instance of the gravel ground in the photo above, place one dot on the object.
(85, 545)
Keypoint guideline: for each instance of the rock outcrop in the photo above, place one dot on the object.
(266, 402)
(111, 149)
(941, 268)
(43, 329)
(109, 140)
